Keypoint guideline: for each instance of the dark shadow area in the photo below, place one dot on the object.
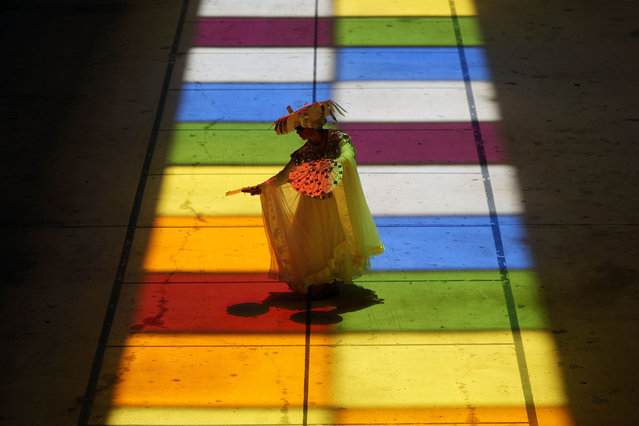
(46, 63)
(326, 311)
(565, 74)
(49, 51)
(80, 82)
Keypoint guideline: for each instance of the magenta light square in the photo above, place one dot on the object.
(263, 32)
(422, 143)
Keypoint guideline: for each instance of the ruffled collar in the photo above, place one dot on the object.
(328, 148)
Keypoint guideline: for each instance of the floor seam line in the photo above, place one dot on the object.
(494, 219)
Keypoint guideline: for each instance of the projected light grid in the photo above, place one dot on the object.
(446, 346)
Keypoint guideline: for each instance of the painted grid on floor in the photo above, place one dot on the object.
(202, 336)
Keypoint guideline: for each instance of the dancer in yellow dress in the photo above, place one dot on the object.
(318, 224)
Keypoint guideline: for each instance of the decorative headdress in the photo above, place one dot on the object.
(310, 116)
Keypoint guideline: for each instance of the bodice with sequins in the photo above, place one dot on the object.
(329, 148)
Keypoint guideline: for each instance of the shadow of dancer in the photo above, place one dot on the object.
(350, 298)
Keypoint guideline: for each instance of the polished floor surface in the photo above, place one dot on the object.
(496, 145)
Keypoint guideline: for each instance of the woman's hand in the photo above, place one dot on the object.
(253, 190)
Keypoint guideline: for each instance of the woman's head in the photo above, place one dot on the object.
(306, 133)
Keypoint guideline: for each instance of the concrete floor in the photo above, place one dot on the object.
(81, 86)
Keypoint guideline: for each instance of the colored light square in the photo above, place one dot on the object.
(489, 416)
(436, 190)
(240, 102)
(405, 64)
(414, 101)
(225, 144)
(204, 376)
(177, 308)
(402, 8)
(181, 193)
(196, 250)
(423, 143)
(172, 416)
(255, 31)
(529, 301)
(449, 248)
(464, 305)
(543, 360)
(405, 31)
(272, 8)
(277, 65)
(420, 376)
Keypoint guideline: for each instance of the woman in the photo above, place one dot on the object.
(318, 225)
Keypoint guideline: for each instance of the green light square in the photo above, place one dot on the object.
(229, 144)
(409, 31)
(450, 301)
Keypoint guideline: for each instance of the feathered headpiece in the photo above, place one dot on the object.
(311, 116)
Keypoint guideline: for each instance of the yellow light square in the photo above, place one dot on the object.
(402, 8)
(425, 376)
(201, 191)
(545, 376)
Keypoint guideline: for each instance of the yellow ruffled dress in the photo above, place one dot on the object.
(319, 240)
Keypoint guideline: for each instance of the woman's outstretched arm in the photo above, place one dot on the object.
(279, 179)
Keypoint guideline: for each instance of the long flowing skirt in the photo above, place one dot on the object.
(315, 241)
